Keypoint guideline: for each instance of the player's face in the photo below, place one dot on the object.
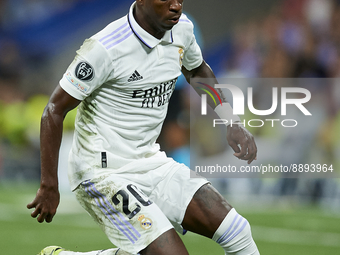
(162, 15)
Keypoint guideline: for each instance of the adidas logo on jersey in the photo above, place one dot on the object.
(135, 76)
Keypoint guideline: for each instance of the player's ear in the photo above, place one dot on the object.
(140, 2)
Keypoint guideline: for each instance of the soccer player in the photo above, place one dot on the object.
(121, 80)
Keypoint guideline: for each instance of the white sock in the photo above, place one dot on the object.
(234, 235)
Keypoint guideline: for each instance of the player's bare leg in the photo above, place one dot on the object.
(168, 243)
(206, 211)
(210, 215)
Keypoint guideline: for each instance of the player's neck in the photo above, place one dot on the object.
(143, 21)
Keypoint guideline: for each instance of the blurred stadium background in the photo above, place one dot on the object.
(250, 39)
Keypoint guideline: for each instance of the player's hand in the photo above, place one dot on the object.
(239, 135)
(45, 204)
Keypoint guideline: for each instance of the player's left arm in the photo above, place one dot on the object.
(236, 134)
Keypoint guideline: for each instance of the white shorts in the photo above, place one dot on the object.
(135, 207)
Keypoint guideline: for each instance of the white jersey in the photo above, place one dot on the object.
(124, 77)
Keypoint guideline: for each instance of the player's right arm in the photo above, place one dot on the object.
(47, 198)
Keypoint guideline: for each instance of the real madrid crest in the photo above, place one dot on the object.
(181, 54)
(145, 223)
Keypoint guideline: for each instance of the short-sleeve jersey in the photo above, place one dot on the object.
(124, 77)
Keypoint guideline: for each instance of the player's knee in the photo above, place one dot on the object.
(234, 235)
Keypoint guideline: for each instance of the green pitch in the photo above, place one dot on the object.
(276, 231)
